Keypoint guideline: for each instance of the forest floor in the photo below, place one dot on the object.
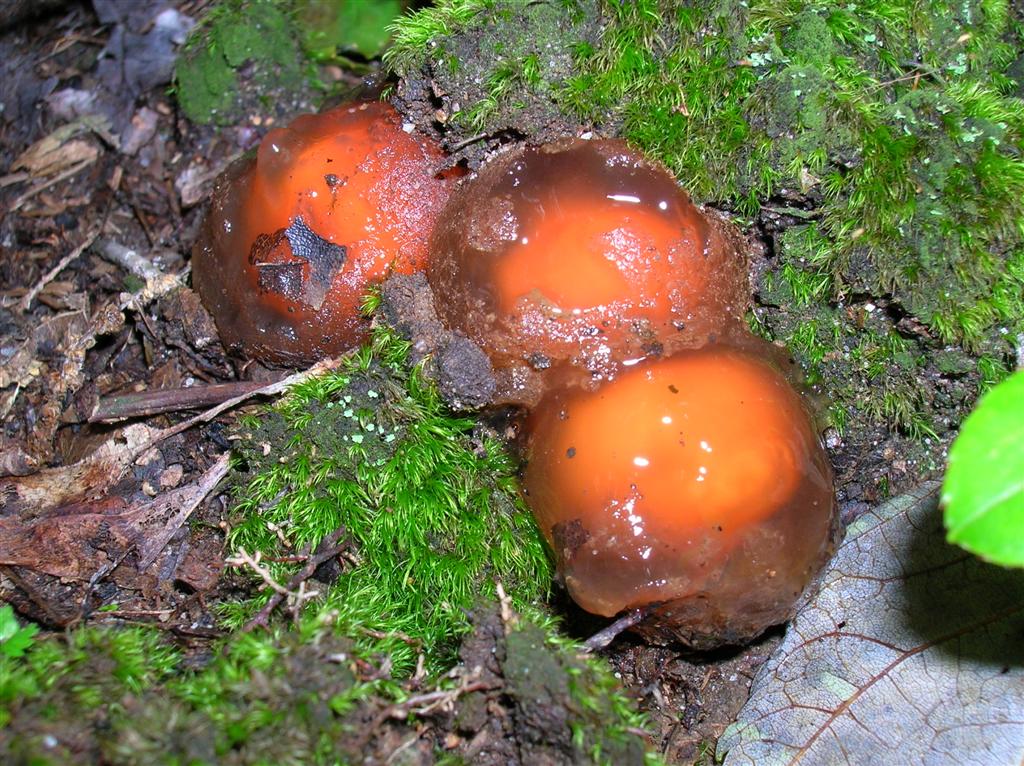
(105, 505)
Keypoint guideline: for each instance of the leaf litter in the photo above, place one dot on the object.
(942, 615)
(910, 653)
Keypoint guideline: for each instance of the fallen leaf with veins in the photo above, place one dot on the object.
(912, 652)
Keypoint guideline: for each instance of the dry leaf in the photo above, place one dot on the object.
(911, 653)
(78, 540)
(84, 481)
(55, 152)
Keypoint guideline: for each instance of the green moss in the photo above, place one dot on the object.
(204, 84)
(261, 58)
(347, 26)
(63, 687)
(431, 518)
(991, 371)
(920, 170)
(124, 696)
(416, 35)
(295, 697)
(809, 40)
(260, 35)
(514, 58)
(545, 672)
(893, 129)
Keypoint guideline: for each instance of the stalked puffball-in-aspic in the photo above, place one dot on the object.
(581, 255)
(694, 484)
(296, 235)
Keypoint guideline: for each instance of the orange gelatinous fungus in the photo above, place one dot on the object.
(581, 255)
(330, 204)
(695, 482)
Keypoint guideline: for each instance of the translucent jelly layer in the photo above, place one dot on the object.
(581, 255)
(294, 237)
(696, 482)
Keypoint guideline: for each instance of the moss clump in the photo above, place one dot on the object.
(545, 701)
(897, 122)
(259, 59)
(507, 72)
(887, 137)
(545, 673)
(336, 30)
(124, 696)
(53, 697)
(259, 36)
(431, 516)
(292, 698)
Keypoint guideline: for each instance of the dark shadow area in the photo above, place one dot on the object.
(957, 603)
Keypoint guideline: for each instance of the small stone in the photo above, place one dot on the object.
(171, 476)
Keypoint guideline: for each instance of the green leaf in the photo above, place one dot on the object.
(983, 494)
(14, 639)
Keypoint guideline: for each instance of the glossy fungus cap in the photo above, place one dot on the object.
(581, 254)
(329, 205)
(695, 482)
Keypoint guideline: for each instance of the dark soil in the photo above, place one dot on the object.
(463, 372)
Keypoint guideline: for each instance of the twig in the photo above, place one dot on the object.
(424, 704)
(128, 259)
(467, 141)
(405, 639)
(431, 701)
(154, 402)
(270, 389)
(43, 186)
(13, 178)
(918, 70)
(403, 747)
(508, 618)
(157, 282)
(325, 551)
(603, 637)
(26, 301)
(242, 558)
